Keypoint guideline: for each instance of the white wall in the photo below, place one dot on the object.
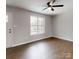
(9, 25)
(21, 26)
(62, 25)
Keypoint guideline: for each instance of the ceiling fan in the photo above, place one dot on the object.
(50, 4)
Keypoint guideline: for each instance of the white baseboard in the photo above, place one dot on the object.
(38, 40)
(63, 38)
(28, 42)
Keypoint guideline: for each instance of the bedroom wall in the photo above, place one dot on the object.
(62, 25)
(21, 26)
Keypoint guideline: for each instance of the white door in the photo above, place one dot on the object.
(9, 30)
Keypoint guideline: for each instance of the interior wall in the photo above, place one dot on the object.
(9, 25)
(62, 25)
(21, 26)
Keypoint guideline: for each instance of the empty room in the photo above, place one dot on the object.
(39, 29)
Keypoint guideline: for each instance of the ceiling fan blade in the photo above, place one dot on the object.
(57, 5)
(45, 8)
(54, 1)
(52, 9)
(51, 2)
(48, 3)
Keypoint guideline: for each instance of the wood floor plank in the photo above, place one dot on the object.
(51, 48)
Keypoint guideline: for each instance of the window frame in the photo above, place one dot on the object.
(41, 26)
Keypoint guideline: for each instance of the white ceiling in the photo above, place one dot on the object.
(38, 5)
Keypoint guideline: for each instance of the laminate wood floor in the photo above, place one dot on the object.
(51, 48)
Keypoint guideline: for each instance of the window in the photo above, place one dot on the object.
(37, 25)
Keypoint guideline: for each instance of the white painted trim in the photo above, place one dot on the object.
(63, 38)
(28, 42)
(40, 39)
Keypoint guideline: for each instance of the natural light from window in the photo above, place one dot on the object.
(6, 18)
(37, 25)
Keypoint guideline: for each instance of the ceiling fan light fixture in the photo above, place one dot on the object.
(49, 8)
(51, 2)
(50, 5)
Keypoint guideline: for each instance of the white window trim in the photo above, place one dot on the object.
(37, 33)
